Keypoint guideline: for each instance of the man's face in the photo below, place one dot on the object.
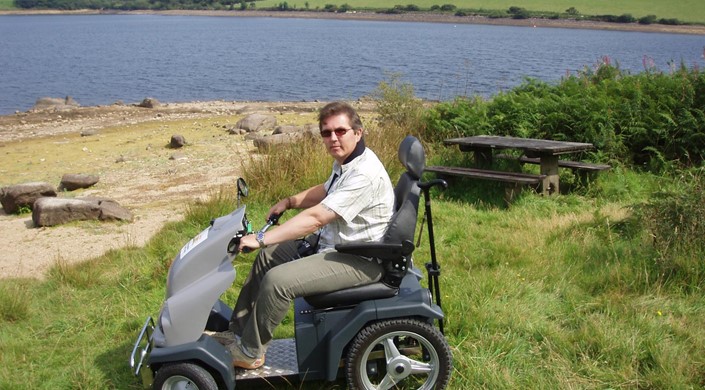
(339, 146)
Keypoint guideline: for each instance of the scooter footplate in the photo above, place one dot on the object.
(280, 361)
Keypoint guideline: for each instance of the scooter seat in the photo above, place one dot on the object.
(352, 296)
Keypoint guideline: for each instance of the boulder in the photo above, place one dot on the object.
(71, 182)
(257, 122)
(178, 156)
(45, 103)
(287, 129)
(57, 211)
(312, 130)
(177, 141)
(24, 195)
(265, 143)
(149, 103)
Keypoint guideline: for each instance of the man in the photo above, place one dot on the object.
(354, 204)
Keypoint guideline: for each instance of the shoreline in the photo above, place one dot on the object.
(405, 17)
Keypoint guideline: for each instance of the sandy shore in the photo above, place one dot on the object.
(406, 17)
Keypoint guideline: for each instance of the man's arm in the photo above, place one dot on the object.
(302, 224)
(302, 200)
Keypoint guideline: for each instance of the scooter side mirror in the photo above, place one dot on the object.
(242, 189)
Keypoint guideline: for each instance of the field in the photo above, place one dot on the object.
(690, 11)
(685, 10)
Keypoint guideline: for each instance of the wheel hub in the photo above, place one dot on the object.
(399, 368)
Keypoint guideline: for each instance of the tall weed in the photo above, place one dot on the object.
(675, 221)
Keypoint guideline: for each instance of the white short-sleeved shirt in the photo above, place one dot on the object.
(363, 196)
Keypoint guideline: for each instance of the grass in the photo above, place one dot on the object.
(686, 10)
(545, 294)
(7, 5)
(554, 292)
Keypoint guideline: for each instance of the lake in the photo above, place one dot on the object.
(101, 59)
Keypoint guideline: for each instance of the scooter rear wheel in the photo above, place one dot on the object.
(180, 376)
(401, 353)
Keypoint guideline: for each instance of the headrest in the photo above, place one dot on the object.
(412, 156)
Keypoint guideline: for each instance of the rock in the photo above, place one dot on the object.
(286, 129)
(24, 195)
(257, 122)
(71, 182)
(235, 131)
(149, 103)
(177, 141)
(57, 211)
(265, 143)
(312, 130)
(45, 103)
(111, 210)
(88, 133)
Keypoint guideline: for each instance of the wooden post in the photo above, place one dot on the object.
(549, 167)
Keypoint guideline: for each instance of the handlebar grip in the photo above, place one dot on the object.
(247, 249)
(432, 183)
(274, 219)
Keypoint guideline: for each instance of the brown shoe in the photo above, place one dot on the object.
(240, 358)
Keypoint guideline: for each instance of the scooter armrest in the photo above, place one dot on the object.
(380, 250)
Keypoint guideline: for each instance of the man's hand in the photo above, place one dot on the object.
(250, 242)
(279, 208)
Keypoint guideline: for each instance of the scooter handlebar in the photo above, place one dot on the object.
(235, 241)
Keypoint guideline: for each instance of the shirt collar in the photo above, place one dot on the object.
(352, 158)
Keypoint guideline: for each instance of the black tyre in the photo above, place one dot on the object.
(181, 376)
(398, 354)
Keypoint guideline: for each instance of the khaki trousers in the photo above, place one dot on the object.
(278, 276)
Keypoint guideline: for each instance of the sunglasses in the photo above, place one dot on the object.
(339, 132)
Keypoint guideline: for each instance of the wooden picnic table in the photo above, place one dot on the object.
(547, 151)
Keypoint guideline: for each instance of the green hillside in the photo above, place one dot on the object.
(684, 10)
(6, 4)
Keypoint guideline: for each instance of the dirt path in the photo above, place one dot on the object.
(127, 149)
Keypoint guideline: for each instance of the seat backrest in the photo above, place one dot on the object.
(407, 193)
(402, 226)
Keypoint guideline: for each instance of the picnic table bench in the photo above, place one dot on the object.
(575, 165)
(514, 180)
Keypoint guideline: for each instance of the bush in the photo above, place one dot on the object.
(448, 7)
(626, 18)
(648, 19)
(397, 106)
(670, 22)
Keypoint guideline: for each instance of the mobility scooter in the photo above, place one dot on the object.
(383, 335)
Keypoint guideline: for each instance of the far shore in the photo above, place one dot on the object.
(405, 17)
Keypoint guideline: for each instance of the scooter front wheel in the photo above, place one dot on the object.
(401, 353)
(181, 376)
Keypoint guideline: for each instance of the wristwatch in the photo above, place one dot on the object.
(260, 239)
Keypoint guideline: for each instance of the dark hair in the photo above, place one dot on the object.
(337, 108)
